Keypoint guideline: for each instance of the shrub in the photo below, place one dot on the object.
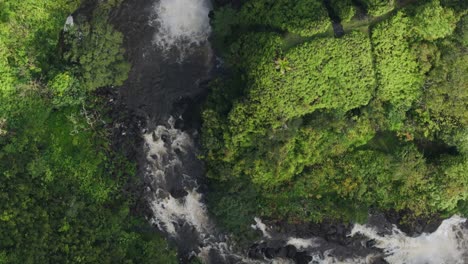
(379, 7)
(344, 9)
(398, 74)
(432, 21)
(302, 17)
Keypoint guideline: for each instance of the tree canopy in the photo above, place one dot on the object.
(316, 126)
(61, 182)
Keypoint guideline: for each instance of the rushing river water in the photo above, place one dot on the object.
(171, 57)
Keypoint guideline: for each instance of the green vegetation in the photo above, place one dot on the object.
(289, 86)
(302, 17)
(398, 74)
(304, 126)
(96, 48)
(61, 182)
(378, 7)
(326, 128)
(344, 9)
(432, 21)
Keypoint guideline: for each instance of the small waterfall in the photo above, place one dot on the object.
(302, 243)
(448, 244)
(317, 250)
(259, 225)
(165, 146)
(173, 171)
(181, 24)
(69, 23)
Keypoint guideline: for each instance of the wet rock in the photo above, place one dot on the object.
(302, 258)
(270, 253)
(165, 138)
(282, 252)
(331, 230)
(211, 15)
(257, 251)
(432, 225)
(155, 138)
(179, 124)
(341, 230)
(370, 243)
(178, 151)
(380, 223)
(291, 251)
(415, 227)
(255, 254)
(418, 229)
(178, 193)
(162, 194)
(465, 224)
(379, 260)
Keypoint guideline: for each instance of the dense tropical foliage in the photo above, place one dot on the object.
(308, 126)
(61, 182)
(303, 124)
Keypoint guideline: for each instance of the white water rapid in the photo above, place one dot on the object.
(447, 245)
(164, 145)
(182, 24)
(175, 200)
(172, 169)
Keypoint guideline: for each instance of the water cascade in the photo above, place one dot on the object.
(182, 24)
(448, 244)
(172, 168)
(175, 200)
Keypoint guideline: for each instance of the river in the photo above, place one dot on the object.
(167, 42)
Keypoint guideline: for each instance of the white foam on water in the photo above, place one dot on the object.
(282, 261)
(68, 23)
(259, 225)
(181, 24)
(329, 259)
(169, 211)
(302, 243)
(447, 245)
(161, 146)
